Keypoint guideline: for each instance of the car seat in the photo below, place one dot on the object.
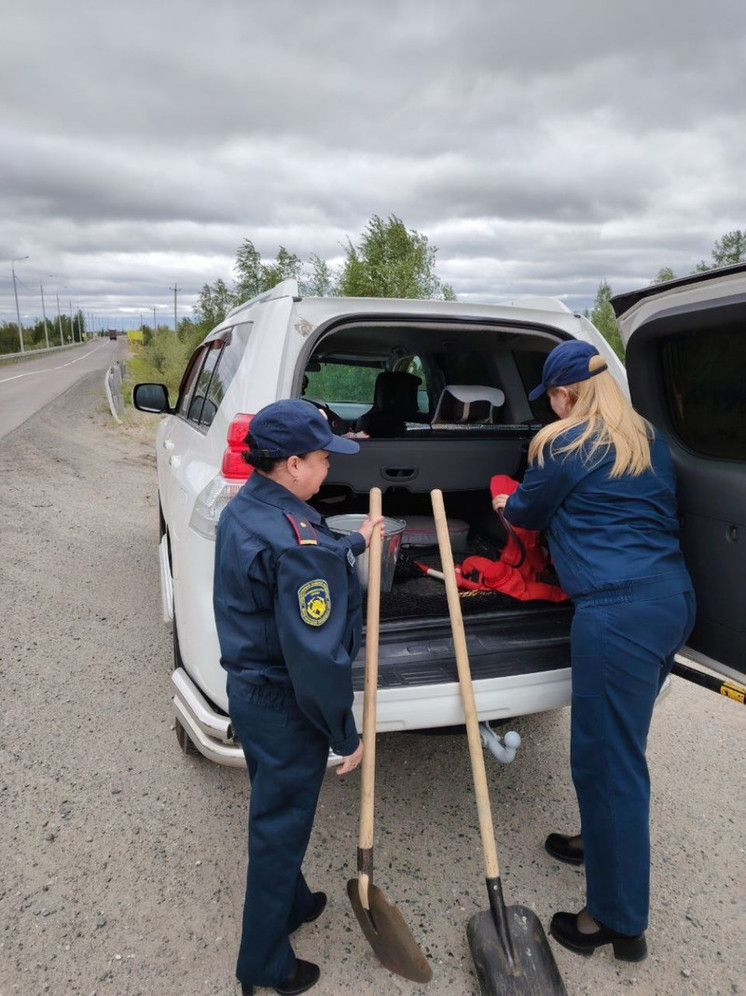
(469, 404)
(394, 404)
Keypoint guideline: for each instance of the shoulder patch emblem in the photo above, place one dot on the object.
(315, 602)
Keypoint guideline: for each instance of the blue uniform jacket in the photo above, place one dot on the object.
(603, 533)
(288, 605)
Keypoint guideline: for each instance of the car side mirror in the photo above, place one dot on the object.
(151, 398)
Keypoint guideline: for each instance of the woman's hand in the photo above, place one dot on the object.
(368, 526)
(499, 501)
(351, 761)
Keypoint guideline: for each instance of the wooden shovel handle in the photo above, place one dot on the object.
(478, 772)
(368, 766)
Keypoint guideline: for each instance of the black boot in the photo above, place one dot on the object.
(564, 928)
(564, 848)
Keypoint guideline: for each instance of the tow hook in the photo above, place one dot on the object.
(503, 749)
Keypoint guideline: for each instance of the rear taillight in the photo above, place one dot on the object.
(234, 467)
(233, 472)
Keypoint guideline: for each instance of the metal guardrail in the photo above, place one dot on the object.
(34, 354)
(113, 386)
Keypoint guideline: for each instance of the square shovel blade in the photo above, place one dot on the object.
(528, 970)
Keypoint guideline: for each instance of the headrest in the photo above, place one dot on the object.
(468, 403)
(396, 389)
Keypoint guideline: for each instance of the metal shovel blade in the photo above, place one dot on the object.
(388, 934)
(528, 970)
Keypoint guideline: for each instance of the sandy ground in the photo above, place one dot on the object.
(122, 861)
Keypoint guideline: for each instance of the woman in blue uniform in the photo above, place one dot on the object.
(288, 612)
(601, 482)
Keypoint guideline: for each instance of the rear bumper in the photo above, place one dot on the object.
(399, 709)
(209, 730)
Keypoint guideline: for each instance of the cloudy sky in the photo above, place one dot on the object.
(542, 146)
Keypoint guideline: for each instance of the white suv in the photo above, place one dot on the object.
(410, 375)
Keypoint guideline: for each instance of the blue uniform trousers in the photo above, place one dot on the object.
(286, 756)
(622, 650)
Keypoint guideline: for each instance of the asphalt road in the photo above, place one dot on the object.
(30, 384)
(122, 861)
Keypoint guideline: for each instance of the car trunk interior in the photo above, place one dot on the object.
(475, 531)
(468, 420)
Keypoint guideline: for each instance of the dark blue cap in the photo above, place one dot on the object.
(294, 427)
(567, 364)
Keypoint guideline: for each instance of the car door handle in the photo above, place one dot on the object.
(399, 473)
(174, 461)
(168, 444)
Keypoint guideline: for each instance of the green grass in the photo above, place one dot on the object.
(162, 361)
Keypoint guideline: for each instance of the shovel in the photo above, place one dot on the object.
(510, 950)
(382, 923)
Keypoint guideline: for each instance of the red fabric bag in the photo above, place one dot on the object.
(522, 562)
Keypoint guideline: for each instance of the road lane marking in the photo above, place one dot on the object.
(30, 373)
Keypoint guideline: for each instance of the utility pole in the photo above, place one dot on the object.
(72, 326)
(154, 325)
(44, 312)
(175, 290)
(59, 321)
(15, 292)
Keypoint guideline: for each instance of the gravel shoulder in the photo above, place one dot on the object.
(123, 860)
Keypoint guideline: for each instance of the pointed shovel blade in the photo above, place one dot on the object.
(388, 934)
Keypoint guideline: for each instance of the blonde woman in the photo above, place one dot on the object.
(601, 481)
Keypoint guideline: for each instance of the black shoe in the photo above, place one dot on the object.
(305, 975)
(565, 848)
(319, 905)
(564, 928)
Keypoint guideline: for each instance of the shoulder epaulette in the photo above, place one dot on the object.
(304, 531)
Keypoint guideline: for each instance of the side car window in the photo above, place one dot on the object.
(189, 380)
(704, 378)
(201, 408)
(223, 373)
(423, 400)
(342, 382)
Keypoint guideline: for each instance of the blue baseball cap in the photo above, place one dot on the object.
(293, 427)
(566, 364)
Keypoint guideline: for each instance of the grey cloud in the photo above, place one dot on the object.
(541, 147)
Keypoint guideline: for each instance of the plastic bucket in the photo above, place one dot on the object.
(343, 525)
